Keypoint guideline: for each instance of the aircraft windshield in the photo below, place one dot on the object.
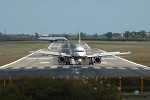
(79, 50)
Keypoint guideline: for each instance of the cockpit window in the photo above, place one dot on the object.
(79, 51)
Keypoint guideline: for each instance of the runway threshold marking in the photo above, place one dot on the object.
(27, 67)
(3, 67)
(53, 67)
(121, 68)
(109, 68)
(66, 67)
(15, 67)
(134, 68)
(97, 67)
(40, 67)
(148, 68)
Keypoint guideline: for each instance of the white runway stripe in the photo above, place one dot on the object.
(65, 67)
(3, 67)
(54, 67)
(134, 68)
(121, 68)
(97, 67)
(40, 67)
(103, 62)
(109, 68)
(45, 62)
(147, 68)
(15, 67)
(27, 67)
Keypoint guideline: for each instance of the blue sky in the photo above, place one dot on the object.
(65, 16)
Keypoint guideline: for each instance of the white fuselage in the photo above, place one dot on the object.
(79, 52)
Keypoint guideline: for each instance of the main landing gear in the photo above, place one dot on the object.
(67, 62)
(91, 62)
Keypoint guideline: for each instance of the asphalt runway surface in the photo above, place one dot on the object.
(45, 65)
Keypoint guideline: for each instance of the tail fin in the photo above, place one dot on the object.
(37, 35)
(79, 37)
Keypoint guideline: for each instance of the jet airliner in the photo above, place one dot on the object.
(51, 39)
(79, 55)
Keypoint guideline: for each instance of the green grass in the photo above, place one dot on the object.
(13, 50)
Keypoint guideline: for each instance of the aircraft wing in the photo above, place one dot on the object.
(51, 53)
(107, 54)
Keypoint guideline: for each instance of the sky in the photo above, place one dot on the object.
(66, 16)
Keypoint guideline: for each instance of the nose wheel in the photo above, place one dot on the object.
(79, 63)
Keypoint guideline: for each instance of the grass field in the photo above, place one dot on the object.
(140, 50)
(11, 51)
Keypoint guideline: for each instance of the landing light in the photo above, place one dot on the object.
(80, 60)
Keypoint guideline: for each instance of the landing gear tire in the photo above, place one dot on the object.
(68, 63)
(91, 63)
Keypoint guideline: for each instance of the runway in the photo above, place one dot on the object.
(45, 65)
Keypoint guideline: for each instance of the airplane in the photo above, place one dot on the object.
(50, 39)
(79, 55)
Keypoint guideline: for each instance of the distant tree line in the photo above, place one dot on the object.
(127, 35)
(17, 37)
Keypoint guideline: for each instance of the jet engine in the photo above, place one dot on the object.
(61, 59)
(97, 59)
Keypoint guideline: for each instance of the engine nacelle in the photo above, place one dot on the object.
(97, 59)
(61, 59)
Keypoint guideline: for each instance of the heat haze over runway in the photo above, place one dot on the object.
(111, 66)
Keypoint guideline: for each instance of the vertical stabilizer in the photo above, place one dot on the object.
(37, 35)
(79, 37)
